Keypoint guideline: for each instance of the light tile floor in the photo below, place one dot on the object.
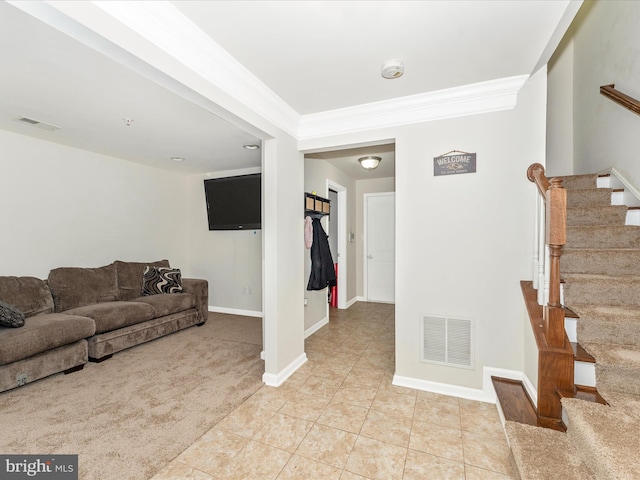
(340, 418)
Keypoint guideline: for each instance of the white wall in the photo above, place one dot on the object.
(316, 174)
(464, 242)
(374, 185)
(606, 51)
(560, 110)
(62, 206)
(283, 247)
(231, 261)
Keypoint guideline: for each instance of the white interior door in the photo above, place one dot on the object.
(380, 247)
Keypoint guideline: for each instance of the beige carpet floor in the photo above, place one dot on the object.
(130, 415)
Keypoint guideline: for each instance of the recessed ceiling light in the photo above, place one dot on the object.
(177, 159)
(251, 147)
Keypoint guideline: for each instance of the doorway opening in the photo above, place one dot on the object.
(338, 239)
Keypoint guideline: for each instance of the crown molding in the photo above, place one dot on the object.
(483, 97)
(166, 27)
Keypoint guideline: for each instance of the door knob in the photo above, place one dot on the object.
(369, 257)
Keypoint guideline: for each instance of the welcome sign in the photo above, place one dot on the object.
(454, 163)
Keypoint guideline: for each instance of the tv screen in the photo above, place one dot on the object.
(234, 203)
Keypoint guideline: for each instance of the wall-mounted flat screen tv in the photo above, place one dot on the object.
(234, 203)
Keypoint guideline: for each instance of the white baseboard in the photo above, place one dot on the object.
(442, 388)
(315, 327)
(531, 390)
(235, 311)
(275, 380)
(486, 394)
(354, 300)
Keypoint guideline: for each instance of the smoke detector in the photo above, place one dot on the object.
(393, 69)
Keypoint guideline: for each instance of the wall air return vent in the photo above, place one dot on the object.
(38, 124)
(447, 341)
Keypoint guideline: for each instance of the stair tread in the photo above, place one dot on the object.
(622, 356)
(607, 437)
(569, 313)
(541, 453)
(583, 310)
(608, 324)
(598, 276)
(609, 261)
(606, 236)
(587, 394)
(581, 355)
(595, 249)
(579, 181)
(517, 406)
(600, 207)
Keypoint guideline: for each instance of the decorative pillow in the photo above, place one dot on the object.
(10, 316)
(157, 280)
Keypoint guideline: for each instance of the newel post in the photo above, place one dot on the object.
(556, 233)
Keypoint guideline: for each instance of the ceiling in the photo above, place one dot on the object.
(324, 55)
(315, 55)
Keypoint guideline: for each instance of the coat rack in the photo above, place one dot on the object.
(317, 206)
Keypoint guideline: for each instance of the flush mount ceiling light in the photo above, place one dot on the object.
(392, 69)
(251, 147)
(370, 162)
(177, 159)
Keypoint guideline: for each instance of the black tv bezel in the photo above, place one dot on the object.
(232, 226)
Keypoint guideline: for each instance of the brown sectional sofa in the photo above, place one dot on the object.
(81, 314)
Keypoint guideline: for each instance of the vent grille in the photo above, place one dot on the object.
(447, 341)
(38, 124)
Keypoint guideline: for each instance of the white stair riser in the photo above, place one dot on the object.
(633, 217)
(571, 327)
(584, 373)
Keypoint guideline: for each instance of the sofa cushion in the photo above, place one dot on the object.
(10, 316)
(130, 277)
(30, 295)
(42, 333)
(113, 315)
(74, 287)
(168, 303)
(157, 280)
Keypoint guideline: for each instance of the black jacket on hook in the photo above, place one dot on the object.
(323, 274)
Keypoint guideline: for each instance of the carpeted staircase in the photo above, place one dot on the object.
(600, 267)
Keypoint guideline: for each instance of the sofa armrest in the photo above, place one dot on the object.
(200, 289)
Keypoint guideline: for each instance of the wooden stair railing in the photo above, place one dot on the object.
(555, 355)
(617, 96)
(555, 197)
